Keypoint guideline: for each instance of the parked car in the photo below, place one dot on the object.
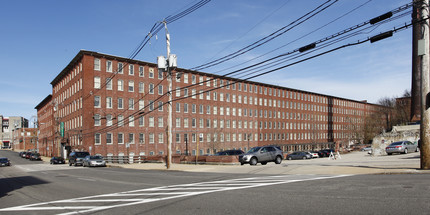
(262, 154)
(23, 154)
(57, 160)
(28, 155)
(299, 155)
(314, 154)
(326, 152)
(365, 149)
(4, 162)
(77, 158)
(95, 160)
(401, 147)
(230, 152)
(35, 157)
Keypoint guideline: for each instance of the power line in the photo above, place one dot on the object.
(268, 38)
(395, 30)
(263, 73)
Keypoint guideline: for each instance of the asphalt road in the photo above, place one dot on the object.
(34, 187)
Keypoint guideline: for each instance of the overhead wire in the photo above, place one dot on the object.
(278, 68)
(268, 38)
(154, 31)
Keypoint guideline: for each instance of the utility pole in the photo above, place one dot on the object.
(423, 53)
(168, 64)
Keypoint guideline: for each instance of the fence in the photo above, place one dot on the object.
(175, 159)
(133, 159)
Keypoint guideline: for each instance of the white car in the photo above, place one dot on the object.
(314, 154)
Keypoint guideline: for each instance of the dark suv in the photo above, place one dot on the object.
(230, 152)
(77, 158)
(262, 154)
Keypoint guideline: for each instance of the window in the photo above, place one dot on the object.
(178, 122)
(131, 121)
(160, 106)
(120, 68)
(178, 138)
(97, 140)
(141, 71)
(160, 89)
(151, 88)
(160, 74)
(108, 84)
(141, 87)
(193, 122)
(109, 120)
(178, 92)
(120, 103)
(120, 85)
(131, 69)
(186, 138)
(151, 121)
(97, 101)
(141, 138)
(97, 82)
(141, 104)
(131, 138)
(109, 102)
(201, 94)
(97, 64)
(120, 120)
(151, 105)
(151, 72)
(185, 108)
(160, 122)
(131, 104)
(151, 140)
(178, 107)
(141, 121)
(108, 138)
(193, 108)
(185, 122)
(120, 138)
(130, 86)
(108, 66)
(160, 138)
(97, 120)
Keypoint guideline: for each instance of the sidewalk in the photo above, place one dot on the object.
(351, 163)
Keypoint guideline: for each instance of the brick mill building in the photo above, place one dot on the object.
(116, 106)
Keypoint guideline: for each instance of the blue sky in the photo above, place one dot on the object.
(39, 38)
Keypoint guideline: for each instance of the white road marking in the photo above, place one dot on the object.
(123, 199)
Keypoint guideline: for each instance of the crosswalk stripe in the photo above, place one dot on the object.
(123, 199)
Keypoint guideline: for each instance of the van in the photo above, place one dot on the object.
(77, 158)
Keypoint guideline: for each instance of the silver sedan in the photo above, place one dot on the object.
(401, 147)
(96, 160)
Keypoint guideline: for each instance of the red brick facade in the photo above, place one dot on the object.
(105, 117)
